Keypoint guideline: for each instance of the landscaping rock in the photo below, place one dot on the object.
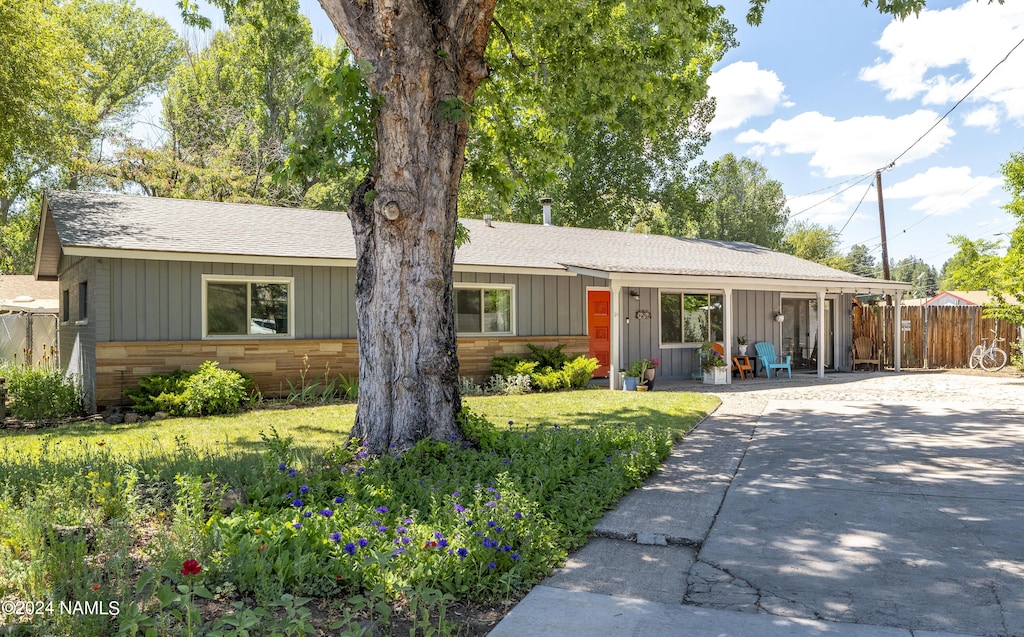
(161, 415)
(115, 418)
(232, 499)
(131, 418)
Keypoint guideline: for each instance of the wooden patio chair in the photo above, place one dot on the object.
(737, 366)
(741, 364)
(864, 353)
(767, 358)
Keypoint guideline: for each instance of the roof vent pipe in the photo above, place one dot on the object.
(546, 202)
(487, 221)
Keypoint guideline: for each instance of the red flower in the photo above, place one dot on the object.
(95, 587)
(430, 545)
(263, 547)
(191, 567)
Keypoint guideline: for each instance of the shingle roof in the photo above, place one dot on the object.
(125, 222)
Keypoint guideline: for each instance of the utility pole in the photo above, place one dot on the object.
(881, 223)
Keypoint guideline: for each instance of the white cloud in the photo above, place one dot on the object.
(853, 146)
(943, 191)
(985, 117)
(941, 55)
(743, 90)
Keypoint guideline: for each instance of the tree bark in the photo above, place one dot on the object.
(424, 60)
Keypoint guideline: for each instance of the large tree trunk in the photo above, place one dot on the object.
(425, 56)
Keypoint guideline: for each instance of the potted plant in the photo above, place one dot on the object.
(652, 369)
(742, 342)
(716, 372)
(633, 373)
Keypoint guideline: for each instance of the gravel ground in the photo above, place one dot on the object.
(946, 386)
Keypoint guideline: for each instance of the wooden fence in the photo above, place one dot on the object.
(932, 337)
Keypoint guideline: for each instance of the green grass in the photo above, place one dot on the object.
(317, 428)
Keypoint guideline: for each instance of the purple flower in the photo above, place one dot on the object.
(491, 523)
(490, 489)
(400, 529)
(381, 509)
(339, 500)
(326, 513)
(304, 489)
(350, 548)
(307, 514)
(462, 553)
(469, 522)
(296, 502)
(492, 503)
(517, 515)
(442, 542)
(460, 509)
(335, 537)
(407, 521)
(292, 473)
(515, 556)
(492, 565)
(498, 529)
(282, 466)
(297, 525)
(363, 542)
(456, 494)
(382, 528)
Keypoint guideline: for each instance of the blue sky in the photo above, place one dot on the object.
(823, 93)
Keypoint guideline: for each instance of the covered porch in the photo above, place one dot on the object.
(668, 316)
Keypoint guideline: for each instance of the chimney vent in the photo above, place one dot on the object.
(487, 221)
(546, 202)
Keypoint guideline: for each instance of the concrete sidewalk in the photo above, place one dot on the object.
(812, 517)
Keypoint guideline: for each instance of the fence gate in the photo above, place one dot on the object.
(932, 337)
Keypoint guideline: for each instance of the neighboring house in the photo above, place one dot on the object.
(150, 285)
(28, 326)
(962, 298)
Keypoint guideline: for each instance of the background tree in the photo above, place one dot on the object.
(814, 242)
(923, 276)
(861, 262)
(1010, 288)
(72, 73)
(975, 266)
(738, 201)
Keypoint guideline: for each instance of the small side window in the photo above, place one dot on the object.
(83, 301)
(65, 306)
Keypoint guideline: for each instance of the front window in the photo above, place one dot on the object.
(483, 310)
(688, 319)
(248, 307)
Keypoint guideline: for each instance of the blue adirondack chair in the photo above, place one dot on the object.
(769, 361)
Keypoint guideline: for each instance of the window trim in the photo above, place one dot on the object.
(683, 293)
(248, 280)
(83, 302)
(487, 286)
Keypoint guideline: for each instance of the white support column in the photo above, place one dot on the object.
(897, 326)
(821, 334)
(616, 336)
(727, 330)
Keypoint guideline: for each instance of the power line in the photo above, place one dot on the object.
(830, 197)
(863, 197)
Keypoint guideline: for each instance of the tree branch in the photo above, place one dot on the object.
(511, 47)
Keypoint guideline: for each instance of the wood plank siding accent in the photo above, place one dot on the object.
(272, 364)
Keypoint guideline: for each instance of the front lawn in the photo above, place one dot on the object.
(111, 515)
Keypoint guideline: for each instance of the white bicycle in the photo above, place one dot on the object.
(989, 357)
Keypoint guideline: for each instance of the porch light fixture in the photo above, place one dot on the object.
(780, 317)
(634, 294)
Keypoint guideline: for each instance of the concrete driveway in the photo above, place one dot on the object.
(862, 504)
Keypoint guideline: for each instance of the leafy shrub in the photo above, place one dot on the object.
(505, 365)
(579, 371)
(468, 388)
(549, 380)
(548, 357)
(510, 386)
(41, 393)
(1017, 354)
(205, 391)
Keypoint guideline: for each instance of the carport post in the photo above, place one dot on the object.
(821, 333)
(897, 326)
(615, 336)
(727, 330)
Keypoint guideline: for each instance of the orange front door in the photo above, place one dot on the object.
(599, 321)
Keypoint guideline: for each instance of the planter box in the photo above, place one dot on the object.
(629, 383)
(717, 376)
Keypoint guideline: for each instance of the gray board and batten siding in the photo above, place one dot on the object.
(153, 300)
